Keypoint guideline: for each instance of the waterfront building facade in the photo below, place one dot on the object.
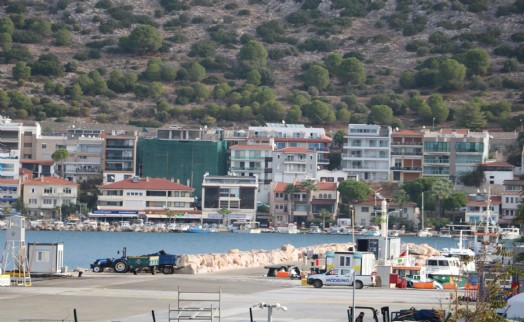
(406, 155)
(477, 208)
(294, 136)
(450, 153)
(143, 196)
(44, 196)
(294, 164)
(229, 198)
(512, 197)
(292, 208)
(119, 156)
(248, 160)
(85, 154)
(366, 152)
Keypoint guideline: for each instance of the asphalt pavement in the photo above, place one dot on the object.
(137, 298)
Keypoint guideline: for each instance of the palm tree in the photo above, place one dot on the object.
(59, 156)
(224, 212)
(290, 191)
(324, 214)
(441, 190)
(309, 185)
(402, 197)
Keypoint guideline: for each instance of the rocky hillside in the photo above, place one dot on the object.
(320, 62)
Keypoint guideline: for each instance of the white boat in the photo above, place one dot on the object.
(245, 227)
(372, 231)
(445, 232)
(425, 232)
(288, 229)
(339, 230)
(445, 269)
(393, 233)
(509, 233)
(465, 255)
(314, 229)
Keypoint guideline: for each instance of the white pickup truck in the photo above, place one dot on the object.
(341, 277)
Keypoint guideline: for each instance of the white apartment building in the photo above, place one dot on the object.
(45, 195)
(366, 152)
(236, 194)
(477, 208)
(294, 164)
(248, 160)
(16, 142)
(294, 136)
(512, 196)
(144, 195)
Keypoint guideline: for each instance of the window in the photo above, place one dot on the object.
(436, 146)
(44, 145)
(365, 209)
(67, 190)
(47, 201)
(32, 201)
(48, 190)
(42, 256)
(345, 261)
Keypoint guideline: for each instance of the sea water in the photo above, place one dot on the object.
(83, 248)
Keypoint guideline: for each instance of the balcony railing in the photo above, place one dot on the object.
(246, 168)
(407, 168)
(235, 157)
(406, 153)
(407, 143)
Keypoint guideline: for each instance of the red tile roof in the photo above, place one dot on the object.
(250, 147)
(495, 200)
(497, 164)
(147, 184)
(50, 180)
(327, 186)
(294, 150)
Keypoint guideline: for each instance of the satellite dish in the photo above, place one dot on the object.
(396, 129)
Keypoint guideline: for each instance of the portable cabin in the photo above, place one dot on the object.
(377, 246)
(363, 263)
(46, 258)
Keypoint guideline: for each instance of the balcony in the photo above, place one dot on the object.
(406, 153)
(236, 157)
(407, 143)
(246, 168)
(295, 160)
(416, 169)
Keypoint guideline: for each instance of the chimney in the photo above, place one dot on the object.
(172, 179)
(42, 179)
(147, 179)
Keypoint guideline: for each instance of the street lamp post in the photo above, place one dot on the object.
(387, 233)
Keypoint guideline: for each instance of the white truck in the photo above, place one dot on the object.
(340, 277)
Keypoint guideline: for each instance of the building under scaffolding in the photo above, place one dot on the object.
(183, 154)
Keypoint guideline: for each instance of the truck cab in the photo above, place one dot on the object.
(334, 276)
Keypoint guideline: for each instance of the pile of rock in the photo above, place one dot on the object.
(206, 263)
(419, 253)
(234, 259)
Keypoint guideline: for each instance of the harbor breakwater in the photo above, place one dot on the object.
(236, 259)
